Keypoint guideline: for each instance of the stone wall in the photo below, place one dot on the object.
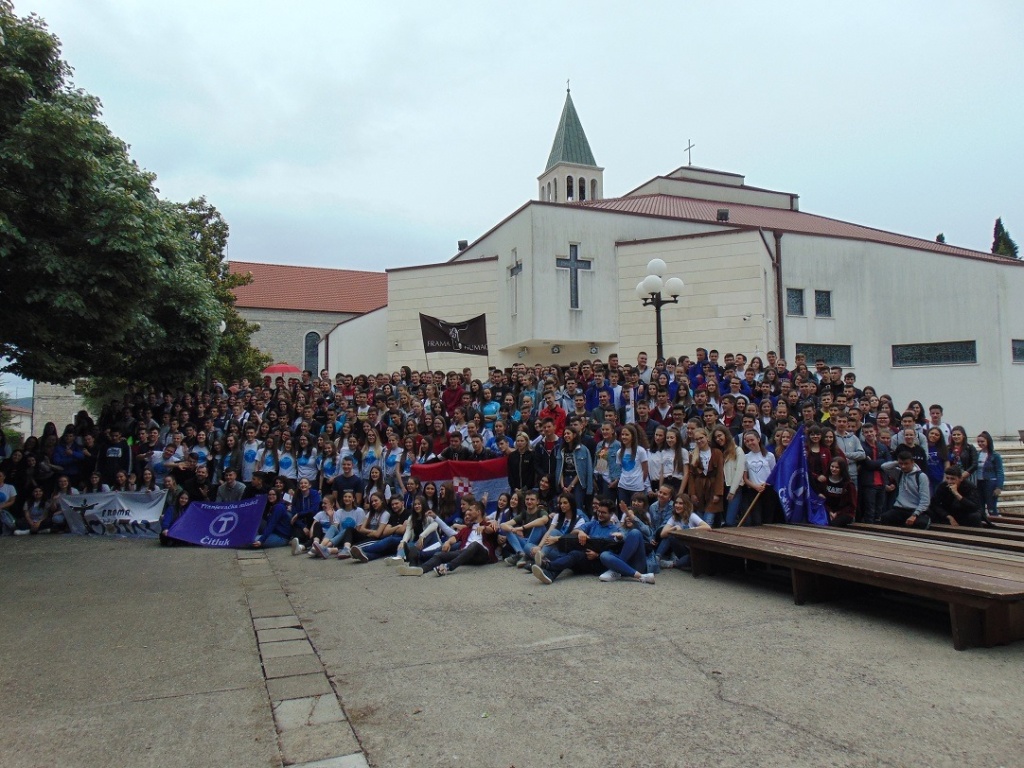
(282, 333)
(52, 402)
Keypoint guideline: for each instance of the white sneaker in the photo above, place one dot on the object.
(345, 553)
(646, 578)
(22, 532)
(396, 560)
(297, 549)
(610, 575)
(666, 564)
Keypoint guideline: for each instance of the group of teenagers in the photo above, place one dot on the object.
(709, 430)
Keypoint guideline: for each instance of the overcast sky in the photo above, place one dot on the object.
(369, 135)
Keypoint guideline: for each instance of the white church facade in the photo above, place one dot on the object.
(557, 281)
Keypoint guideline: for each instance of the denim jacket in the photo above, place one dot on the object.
(614, 464)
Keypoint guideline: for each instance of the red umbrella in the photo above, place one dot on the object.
(281, 368)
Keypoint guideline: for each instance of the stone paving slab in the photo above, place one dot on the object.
(358, 760)
(289, 666)
(318, 742)
(261, 606)
(276, 622)
(286, 648)
(277, 635)
(299, 686)
(310, 710)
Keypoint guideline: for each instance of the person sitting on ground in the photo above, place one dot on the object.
(592, 559)
(35, 515)
(8, 498)
(671, 551)
(173, 512)
(526, 528)
(372, 526)
(346, 519)
(392, 535)
(420, 533)
(279, 525)
(472, 545)
(956, 500)
(912, 494)
(324, 519)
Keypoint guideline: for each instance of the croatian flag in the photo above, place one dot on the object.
(791, 482)
(476, 477)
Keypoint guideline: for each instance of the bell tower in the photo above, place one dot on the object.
(571, 174)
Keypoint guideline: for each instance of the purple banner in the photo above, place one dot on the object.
(224, 524)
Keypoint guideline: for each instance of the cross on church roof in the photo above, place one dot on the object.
(689, 157)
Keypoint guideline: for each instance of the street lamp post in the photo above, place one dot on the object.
(651, 291)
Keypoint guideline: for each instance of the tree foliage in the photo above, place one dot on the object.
(99, 277)
(1002, 243)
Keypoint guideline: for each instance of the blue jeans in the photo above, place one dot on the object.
(709, 518)
(989, 500)
(577, 562)
(382, 547)
(522, 545)
(631, 558)
(732, 508)
(338, 535)
(273, 540)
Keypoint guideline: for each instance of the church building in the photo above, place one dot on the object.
(558, 281)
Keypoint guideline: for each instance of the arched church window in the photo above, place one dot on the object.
(583, 189)
(549, 190)
(310, 355)
(569, 188)
(593, 189)
(554, 189)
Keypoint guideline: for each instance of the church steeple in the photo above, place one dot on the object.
(571, 173)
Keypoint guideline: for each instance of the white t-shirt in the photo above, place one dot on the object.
(759, 467)
(694, 521)
(632, 477)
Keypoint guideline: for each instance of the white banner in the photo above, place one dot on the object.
(118, 514)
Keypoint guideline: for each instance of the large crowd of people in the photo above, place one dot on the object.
(604, 460)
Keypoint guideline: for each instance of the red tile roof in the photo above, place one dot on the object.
(754, 216)
(315, 289)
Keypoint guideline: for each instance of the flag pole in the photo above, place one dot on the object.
(747, 513)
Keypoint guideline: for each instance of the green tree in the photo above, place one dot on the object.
(98, 275)
(1002, 243)
(233, 354)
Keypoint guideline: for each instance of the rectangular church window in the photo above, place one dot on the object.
(832, 354)
(795, 301)
(1017, 346)
(823, 303)
(939, 353)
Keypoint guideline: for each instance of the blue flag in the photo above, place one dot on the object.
(224, 524)
(791, 482)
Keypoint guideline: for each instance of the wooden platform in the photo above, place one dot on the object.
(984, 588)
(955, 536)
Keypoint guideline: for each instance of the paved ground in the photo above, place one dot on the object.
(120, 653)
